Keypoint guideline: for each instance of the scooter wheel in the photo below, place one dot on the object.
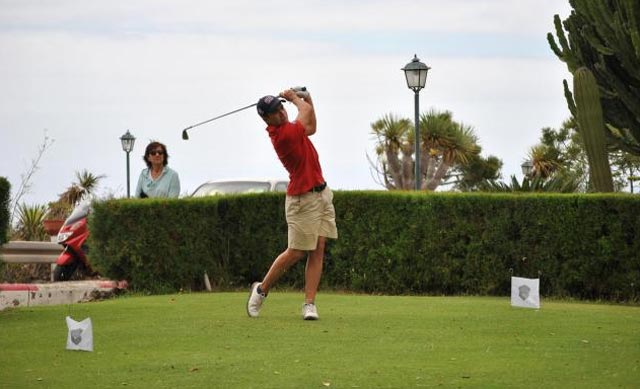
(64, 272)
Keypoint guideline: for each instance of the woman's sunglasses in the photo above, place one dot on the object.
(156, 152)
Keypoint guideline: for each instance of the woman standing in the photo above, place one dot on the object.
(157, 180)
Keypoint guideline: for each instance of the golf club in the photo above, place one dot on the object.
(185, 136)
(301, 91)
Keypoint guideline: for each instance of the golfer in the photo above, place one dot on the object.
(309, 203)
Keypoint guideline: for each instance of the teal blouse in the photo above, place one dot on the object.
(167, 185)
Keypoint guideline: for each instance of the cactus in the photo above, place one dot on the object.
(591, 126)
(604, 36)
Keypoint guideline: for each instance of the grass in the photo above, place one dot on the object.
(206, 340)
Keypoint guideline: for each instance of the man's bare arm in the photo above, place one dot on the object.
(306, 112)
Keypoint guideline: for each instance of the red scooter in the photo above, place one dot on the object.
(72, 236)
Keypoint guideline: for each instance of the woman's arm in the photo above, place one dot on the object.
(174, 185)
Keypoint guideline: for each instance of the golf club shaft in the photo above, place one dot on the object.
(300, 90)
(221, 116)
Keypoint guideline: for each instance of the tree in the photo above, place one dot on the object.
(567, 147)
(559, 164)
(85, 184)
(25, 183)
(29, 225)
(445, 144)
(626, 169)
(603, 36)
(395, 143)
(545, 161)
(560, 154)
(468, 177)
(535, 184)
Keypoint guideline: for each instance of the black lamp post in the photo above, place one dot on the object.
(416, 74)
(527, 168)
(128, 141)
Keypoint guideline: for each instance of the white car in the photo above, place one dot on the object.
(213, 188)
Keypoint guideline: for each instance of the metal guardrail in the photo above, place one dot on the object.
(30, 252)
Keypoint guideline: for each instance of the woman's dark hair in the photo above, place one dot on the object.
(151, 147)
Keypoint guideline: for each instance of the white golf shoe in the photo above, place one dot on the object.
(255, 300)
(309, 312)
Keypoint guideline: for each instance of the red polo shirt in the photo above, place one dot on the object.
(298, 156)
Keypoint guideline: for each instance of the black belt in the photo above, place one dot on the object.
(318, 188)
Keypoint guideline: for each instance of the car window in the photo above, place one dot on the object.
(281, 186)
(229, 187)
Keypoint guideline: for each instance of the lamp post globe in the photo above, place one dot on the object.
(128, 140)
(415, 73)
(527, 168)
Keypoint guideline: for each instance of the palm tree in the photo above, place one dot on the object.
(394, 149)
(545, 161)
(557, 184)
(444, 144)
(85, 184)
(29, 225)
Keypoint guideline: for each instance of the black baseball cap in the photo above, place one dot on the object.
(268, 104)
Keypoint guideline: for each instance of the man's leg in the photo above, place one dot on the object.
(313, 271)
(283, 262)
(259, 290)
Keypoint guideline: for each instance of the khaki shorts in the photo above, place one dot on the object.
(309, 216)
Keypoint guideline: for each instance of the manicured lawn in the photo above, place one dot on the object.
(206, 340)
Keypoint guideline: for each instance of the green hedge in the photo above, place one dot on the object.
(165, 245)
(583, 246)
(5, 196)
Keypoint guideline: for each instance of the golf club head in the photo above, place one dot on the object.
(185, 136)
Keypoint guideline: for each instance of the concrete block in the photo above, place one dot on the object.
(68, 292)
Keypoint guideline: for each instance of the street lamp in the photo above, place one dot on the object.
(127, 145)
(527, 168)
(416, 74)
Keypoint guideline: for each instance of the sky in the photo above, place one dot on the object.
(82, 73)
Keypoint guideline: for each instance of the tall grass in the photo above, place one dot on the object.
(207, 341)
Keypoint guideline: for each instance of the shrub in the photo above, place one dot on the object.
(581, 246)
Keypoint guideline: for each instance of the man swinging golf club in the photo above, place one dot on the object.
(309, 203)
